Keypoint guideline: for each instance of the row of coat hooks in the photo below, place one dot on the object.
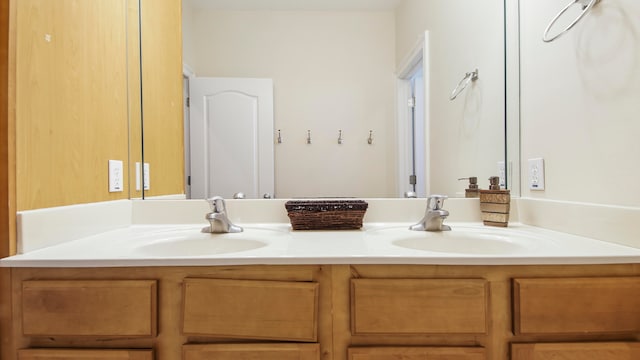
(340, 137)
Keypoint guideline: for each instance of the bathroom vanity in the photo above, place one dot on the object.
(382, 292)
(328, 312)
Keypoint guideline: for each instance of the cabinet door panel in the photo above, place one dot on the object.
(250, 309)
(419, 306)
(89, 308)
(55, 354)
(576, 305)
(252, 352)
(416, 353)
(576, 351)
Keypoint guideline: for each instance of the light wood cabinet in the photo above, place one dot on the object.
(252, 352)
(576, 351)
(58, 354)
(419, 306)
(416, 353)
(576, 305)
(324, 312)
(70, 83)
(89, 308)
(276, 310)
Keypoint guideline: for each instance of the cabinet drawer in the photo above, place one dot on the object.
(576, 351)
(89, 308)
(56, 354)
(416, 353)
(250, 309)
(418, 306)
(576, 305)
(251, 352)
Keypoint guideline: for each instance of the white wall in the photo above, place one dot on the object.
(331, 71)
(580, 103)
(188, 46)
(467, 134)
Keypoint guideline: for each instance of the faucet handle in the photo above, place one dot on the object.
(217, 204)
(435, 202)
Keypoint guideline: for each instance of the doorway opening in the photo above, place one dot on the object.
(412, 123)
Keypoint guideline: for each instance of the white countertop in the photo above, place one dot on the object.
(151, 245)
(167, 233)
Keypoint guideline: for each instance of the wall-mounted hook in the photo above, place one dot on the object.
(340, 140)
(308, 136)
(370, 139)
(279, 137)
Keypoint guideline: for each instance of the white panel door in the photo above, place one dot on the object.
(231, 137)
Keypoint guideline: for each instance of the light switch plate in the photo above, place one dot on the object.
(138, 177)
(146, 180)
(536, 174)
(116, 176)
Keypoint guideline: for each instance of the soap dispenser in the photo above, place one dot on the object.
(495, 204)
(472, 190)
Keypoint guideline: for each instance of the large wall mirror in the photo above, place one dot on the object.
(363, 98)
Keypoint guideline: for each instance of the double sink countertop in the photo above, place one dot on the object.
(168, 233)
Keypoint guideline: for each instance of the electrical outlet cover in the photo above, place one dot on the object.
(536, 174)
(116, 176)
(502, 174)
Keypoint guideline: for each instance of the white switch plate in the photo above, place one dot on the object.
(116, 176)
(536, 174)
(502, 174)
(146, 177)
(138, 177)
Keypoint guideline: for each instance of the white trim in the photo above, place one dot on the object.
(188, 71)
(412, 59)
(426, 70)
(403, 90)
(418, 54)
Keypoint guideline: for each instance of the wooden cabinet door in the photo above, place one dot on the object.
(576, 305)
(419, 306)
(252, 352)
(57, 354)
(416, 353)
(276, 310)
(576, 351)
(89, 308)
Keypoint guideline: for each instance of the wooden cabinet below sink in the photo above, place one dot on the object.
(249, 309)
(578, 306)
(418, 306)
(576, 351)
(416, 353)
(323, 312)
(63, 354)
(252, 352)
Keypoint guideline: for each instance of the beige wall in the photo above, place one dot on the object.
(331, 71)
(581, 103)
(467, 134)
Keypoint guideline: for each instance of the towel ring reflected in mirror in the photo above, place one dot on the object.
(587, 5)
(468, 77)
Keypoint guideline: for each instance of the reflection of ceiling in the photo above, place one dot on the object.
(295, 4)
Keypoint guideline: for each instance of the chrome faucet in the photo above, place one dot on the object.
(218, 219)
(434, 216)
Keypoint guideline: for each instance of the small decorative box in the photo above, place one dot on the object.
(495, 206)
(326, 214)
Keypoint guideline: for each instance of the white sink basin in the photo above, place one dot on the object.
(460, 240)
(192, 242)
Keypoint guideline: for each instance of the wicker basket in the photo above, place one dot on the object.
(326, 214)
